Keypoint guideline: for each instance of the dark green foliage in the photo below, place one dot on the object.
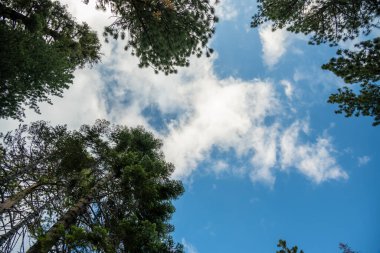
(345, 248)
(362, 65)
(162, 33)
(40, 47)
(31, 71)
(284, 249)
(366, 103)
(113, 184)
(331, 21)
(326, 20)
(41, 44)
(358, 67)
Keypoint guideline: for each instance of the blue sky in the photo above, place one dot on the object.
(261, 154)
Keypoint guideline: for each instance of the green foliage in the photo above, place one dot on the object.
(326, 20)
(94, 240)
(41, 44)
(40, 47)
(357, 66)
(363, 67)
(113, 184)
(284, 249)
(162, 33)
(331, 21)
(345, 248)
(31, 71)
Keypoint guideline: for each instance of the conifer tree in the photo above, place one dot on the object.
(162, 33)
(284, 248)
(40, 47)
(331, 21)
(360, 67)
(41, 44)
(113, 186)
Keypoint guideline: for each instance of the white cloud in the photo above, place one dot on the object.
(315, 160)
(97, 19)
(274, 44)
(232, 115)
(288, 88)
(226, 10)
(220, 166)
(189, 248)
(363, 160)
(82, 103)
(222, 115)
(264, 144)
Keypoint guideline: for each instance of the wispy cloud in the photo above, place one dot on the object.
(189, 248)
(363, 160)
(288, 88)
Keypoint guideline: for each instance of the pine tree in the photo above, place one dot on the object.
(327, 21)
(40, 47)
(162, 33)
(41, 44)
(330, 21)
(358, 67)
(284, 248)
(114, 191)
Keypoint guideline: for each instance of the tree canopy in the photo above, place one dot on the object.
(40, 47)
(330, 22)
(100, 189)
(358, 67)
(162, 33)
(345, 248)
(284, 248)
(41, 44)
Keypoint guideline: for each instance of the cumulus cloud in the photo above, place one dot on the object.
(97, 19)
(222, 114)
(314, 160)
(198, 112)
(274, 44)
(83, 103)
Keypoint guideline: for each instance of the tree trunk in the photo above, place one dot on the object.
(68, 219)
(11, 14)
(7, 241)
(44, 244)
(15, 229)
(9, 203)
